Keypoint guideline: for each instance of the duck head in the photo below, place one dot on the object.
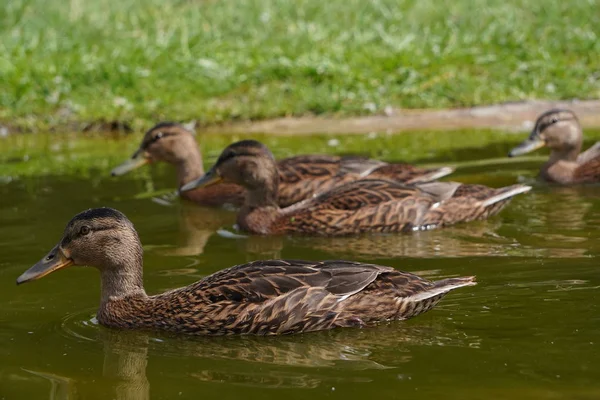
(556, 129)
(103, 238)
(168, 142)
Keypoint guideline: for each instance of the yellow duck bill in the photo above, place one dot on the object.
(137, 160)
(527, 146)
(210, 178)
(54, 260)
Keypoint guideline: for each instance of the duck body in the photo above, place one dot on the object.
(560, 130)
(584, 169)
(282, 297)
(300, 177)
(383, 207)
(366, 205)
(262, 297)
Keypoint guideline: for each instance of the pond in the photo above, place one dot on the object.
(529, 330)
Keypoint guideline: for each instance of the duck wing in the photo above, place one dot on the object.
(589, 154)
(259, 281)
(409, 173)
(588, 172)
(468, 203)
(302, 177)
(288, 296)
(297, 168)
(368, 205)
(385, 206)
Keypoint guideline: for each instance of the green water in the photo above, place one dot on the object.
(529, 330)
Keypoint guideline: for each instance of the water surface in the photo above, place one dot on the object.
(529, 330)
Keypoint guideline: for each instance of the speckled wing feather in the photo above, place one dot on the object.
(366, 168)
(588, 172)
(288, 296)
(366, 192)
(385, 206)
(301, 177)
(589, 154)
(361, 206)
(269, 297)
(409, 173)
(261, 280)
(471, 202)
(361, 166)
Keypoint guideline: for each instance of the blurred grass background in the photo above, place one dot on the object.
(214, 61)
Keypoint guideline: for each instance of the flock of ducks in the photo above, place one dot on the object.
(304, 195)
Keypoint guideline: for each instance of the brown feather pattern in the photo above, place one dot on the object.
(381, 206)
(365, 205)
(300, 177)
(282, 297)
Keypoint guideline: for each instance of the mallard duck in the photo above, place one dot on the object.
(299, 177)
(261, 297)
(174, 144)
(368, 205)
(560, 131)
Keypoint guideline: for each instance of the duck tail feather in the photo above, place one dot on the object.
(443, 287)
(506, 193)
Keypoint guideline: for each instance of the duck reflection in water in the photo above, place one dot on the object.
(196, 226)
(310, 361)
(559, 221)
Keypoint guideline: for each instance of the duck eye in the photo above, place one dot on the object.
(157, 136)
(84, 230)
(554, 120)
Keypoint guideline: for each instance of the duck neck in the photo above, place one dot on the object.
(190, 166)
(260, 209)
(119, 281)
(263, 195)
(561, 165)
(567, 154)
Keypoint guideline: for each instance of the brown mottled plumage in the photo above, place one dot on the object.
(261, 297)
(561, 132)
(300, 177)
(368, 205)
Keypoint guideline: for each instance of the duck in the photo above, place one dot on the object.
(266, 297)
(560, 130)
(300, 177)
(362, 206)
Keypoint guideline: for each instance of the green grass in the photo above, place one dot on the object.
(147, 60)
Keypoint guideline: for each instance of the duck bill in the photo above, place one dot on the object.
(54, 260)
(210, 178)
(528, 145)
(137, 160)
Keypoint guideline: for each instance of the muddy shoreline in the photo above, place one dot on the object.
(512, 116)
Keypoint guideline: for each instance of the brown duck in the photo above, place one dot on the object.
(561, 132)
(262, 297)
(300, 177)
(368, 205)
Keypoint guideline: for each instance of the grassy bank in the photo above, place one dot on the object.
(147, 60)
